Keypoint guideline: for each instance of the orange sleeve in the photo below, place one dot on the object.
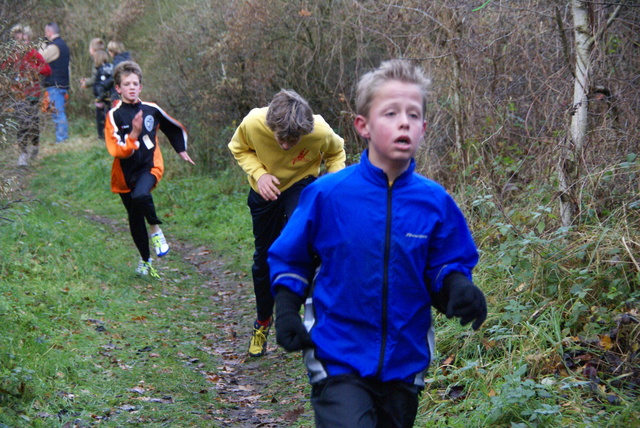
(117, 148)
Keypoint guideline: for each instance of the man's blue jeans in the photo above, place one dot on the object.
(57, 96)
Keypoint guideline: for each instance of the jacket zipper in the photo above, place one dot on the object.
(385, 281)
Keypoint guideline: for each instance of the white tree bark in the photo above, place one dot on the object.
(569, 154)
(584, 46)
(571, 149)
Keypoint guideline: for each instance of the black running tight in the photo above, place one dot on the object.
(139, 205)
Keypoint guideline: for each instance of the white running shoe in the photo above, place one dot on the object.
(160, 243)
(146, 268)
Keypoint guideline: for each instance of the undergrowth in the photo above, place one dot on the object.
(562, 340)
(560, 346)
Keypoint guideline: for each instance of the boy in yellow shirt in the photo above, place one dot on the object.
(281, 148)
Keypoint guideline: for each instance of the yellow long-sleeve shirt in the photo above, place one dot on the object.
(255, 148)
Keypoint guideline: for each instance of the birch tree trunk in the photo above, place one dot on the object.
(572, 147)
(568, 170)
(584, 47)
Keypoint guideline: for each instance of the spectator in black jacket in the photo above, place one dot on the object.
(56, 53)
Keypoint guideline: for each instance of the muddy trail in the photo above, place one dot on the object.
(252, 392)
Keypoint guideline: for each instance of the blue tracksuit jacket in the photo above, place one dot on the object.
(368, 256)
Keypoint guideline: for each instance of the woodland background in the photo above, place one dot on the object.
(503, 72)
(533, 126)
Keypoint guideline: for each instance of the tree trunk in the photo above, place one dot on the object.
(584, 47)
(572, 148)
(568, 163)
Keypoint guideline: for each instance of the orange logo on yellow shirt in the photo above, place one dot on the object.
(300, 157)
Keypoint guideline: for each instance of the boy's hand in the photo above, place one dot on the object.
(136, 126)
(267, 187)
(290, 331)
(185, 156)
(466, 301)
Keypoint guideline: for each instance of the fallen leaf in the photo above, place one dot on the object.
(128, 408)
(293, 415)
(456, 392)
(606, 342)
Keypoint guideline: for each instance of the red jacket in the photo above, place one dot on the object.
(28, 66)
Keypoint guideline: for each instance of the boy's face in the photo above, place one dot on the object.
(288, 143)
(129, 88)
(395, 125)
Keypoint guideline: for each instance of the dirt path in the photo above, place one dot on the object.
(270, 391)
(254, 392)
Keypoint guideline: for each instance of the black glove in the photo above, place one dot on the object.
(460, 298)
(290, 332)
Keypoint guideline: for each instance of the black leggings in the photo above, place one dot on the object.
(139, 205)
(269, 218)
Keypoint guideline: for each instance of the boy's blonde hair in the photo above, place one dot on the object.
(100, 57)
(16, 29)
(124, 69)
(395, 69)
(115, 47)
(96, 44)
(289, 116)
(25, 30)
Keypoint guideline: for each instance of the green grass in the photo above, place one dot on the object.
(81, 337)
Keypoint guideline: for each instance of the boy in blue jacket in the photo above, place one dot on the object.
(371, 249)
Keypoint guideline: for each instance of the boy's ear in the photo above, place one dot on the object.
(361, 125)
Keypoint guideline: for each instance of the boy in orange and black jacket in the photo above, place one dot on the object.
(131, 138)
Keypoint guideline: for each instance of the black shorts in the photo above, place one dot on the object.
(350, 401)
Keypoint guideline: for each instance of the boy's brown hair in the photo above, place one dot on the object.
(289, 116)
(395, 69)
(100, 57)
(96, 44)
(125, 68)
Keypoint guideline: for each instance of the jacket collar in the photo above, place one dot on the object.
(378, 176)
